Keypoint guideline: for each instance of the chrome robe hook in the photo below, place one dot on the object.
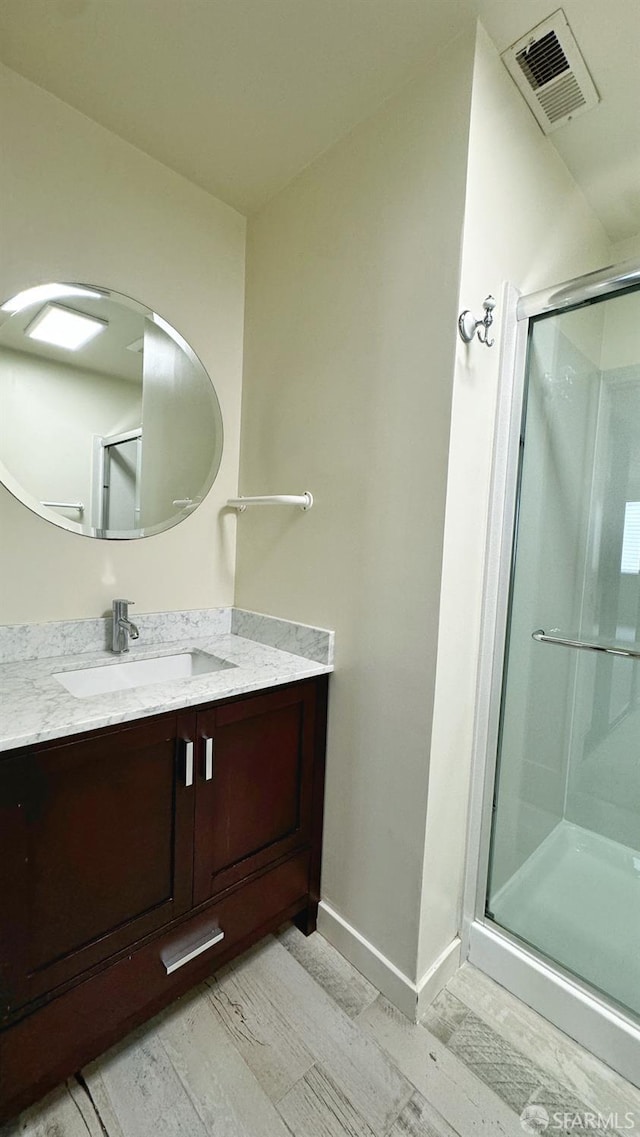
(468, 324)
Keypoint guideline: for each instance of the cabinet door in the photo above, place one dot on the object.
(253, 800)
(100, 850)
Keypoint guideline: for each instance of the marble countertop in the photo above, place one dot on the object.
(35, 707)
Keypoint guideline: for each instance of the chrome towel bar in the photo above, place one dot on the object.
(79, 505)
(305, 501)
(542, 638)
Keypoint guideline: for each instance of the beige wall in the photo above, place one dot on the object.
(49, 414)
(626, 250)
(352, 281)
(80, 204)
(525, 222)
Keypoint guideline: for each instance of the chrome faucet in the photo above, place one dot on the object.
(122, 626)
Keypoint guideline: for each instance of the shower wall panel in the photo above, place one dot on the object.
(536, 729)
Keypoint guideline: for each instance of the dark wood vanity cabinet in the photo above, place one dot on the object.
(97, 853)
(254, 798)
(137, 859)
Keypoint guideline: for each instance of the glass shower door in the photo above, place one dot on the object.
(565, 849)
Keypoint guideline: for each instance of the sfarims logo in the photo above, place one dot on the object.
(535, 1119)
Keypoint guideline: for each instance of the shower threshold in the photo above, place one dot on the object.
(577, 900)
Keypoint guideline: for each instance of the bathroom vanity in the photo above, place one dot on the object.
(139, 855)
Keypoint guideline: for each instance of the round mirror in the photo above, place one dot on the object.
(109, 423)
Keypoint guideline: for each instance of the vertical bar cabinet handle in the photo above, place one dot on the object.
(188, 763)
(208, 759)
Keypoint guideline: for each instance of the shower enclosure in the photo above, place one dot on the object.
(555, 911)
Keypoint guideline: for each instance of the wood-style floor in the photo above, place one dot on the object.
(290, 1039)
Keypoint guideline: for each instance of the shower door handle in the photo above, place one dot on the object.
(582, 645)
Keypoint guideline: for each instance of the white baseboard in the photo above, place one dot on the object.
(409, 997)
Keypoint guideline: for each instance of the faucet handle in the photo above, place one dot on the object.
(122, 601)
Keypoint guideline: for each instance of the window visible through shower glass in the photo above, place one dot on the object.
(565, 849)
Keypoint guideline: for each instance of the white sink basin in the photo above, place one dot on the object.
(119, 676)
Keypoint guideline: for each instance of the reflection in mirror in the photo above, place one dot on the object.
(109, 424)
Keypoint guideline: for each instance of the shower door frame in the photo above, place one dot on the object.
(566, 1001)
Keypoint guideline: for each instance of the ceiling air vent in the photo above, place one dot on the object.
(548, 69)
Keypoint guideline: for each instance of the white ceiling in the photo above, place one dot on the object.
(240, 95)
